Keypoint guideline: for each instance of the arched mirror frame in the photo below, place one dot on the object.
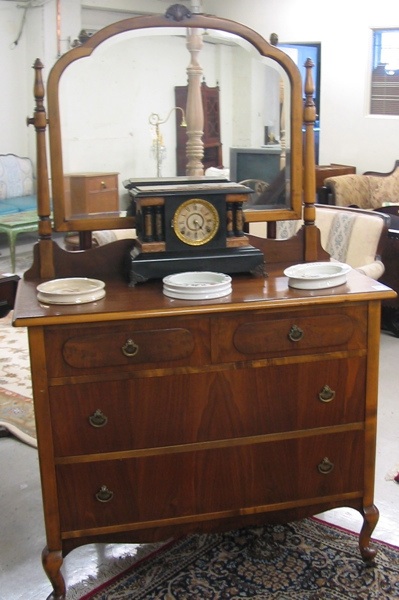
(113, 220)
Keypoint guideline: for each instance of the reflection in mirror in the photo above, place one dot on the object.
(106, 101)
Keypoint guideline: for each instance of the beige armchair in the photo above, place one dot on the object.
(350, 235)
(369, 191)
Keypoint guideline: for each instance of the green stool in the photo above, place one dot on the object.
(12, 225)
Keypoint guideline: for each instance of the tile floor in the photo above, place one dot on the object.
(22, 532)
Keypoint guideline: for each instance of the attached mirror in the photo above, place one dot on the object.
(101, 97)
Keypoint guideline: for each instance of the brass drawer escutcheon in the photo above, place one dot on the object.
(326, 466)
(98, 419)
(104, 494)
(295, 333)
(129, 348)
(326, 394)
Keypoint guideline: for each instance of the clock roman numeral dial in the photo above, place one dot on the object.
(196, 222)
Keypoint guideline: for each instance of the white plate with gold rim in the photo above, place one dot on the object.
(71, 290)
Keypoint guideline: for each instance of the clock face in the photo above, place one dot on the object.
(195, 222)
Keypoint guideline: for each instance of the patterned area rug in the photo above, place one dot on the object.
(16, 405)
(306, 560)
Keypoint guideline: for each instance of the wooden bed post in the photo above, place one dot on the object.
(39, 121)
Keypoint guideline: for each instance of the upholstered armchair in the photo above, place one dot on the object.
(372, 190)
(352, 236)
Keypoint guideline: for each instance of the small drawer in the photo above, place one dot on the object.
(299, 332)
(154, 412)
(102, 183)
(215, 480)
(152, 343)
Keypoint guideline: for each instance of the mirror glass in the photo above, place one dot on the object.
(107, 101)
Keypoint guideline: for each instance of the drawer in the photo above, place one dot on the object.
(239, 337)
(102, 201)
(102, 183)
(217, 481)
(151, 412)
(126, 345)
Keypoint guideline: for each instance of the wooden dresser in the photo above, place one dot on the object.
(158, 417)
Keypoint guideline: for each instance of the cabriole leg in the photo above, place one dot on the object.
(52, 562)
(370, 520)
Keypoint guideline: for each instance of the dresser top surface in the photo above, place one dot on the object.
(147, 300)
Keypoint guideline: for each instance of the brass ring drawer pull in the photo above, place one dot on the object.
(325, 467)
(103, 185)
(98, 419)
(326, 394)
(104, 494)
(295, 333)
(129, 348)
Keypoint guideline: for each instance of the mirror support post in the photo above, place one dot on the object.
(39, 121)
(309, 211)
(194, 108)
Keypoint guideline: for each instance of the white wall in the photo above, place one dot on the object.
(16, 84)
(348, 134)
(38, 39)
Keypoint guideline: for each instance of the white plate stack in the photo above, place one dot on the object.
(197, 285)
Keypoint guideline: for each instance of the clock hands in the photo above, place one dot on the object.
(198, 224)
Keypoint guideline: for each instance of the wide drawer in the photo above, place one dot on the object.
(125, 345)
(250, 336)
(102, 201)
(218, 481)
(146, 412)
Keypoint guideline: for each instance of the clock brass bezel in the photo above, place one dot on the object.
(215, 225)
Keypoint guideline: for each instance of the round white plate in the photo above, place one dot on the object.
(318, 275)
(71, 290)
(191, 279)
(197, 285)
(208, 295)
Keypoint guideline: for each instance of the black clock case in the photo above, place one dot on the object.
(143, 266)
(179, 257)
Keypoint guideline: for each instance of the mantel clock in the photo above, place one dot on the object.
(189, 224)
